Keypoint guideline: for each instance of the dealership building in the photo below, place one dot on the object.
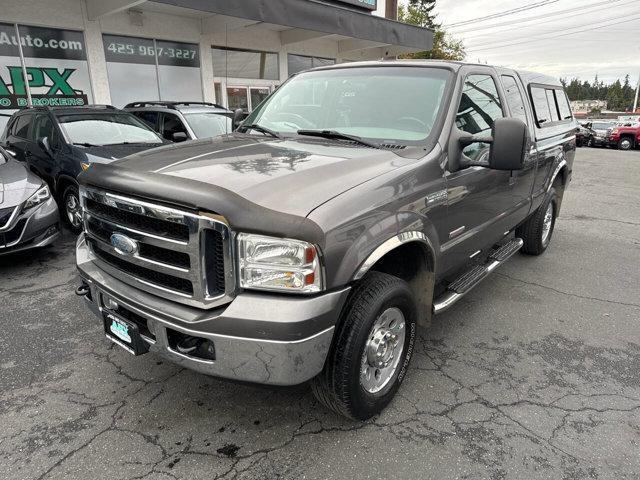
(232, 52)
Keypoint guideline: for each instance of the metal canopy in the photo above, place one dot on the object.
(318, 17)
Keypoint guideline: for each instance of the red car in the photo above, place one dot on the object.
(625, 138)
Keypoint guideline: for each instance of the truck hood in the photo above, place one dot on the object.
(16, 184)
(290, 176)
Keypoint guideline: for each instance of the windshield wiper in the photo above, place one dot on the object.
(339, 136)
(261, 129)
(86, 144)
(129, 143)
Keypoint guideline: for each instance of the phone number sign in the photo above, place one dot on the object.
(121, 49)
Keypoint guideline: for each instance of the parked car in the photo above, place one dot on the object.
(624, 137)
(583, 134)
(57, 143)
(601, 131)
(28, 214)
(352, 204)
(180, 121)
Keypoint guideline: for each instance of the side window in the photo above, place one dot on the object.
(514, 98)
(479, 107)
(563, 105)
(42, 127)
(170, 125)
(540, 105)
(149, 118)
(21, 128)
(551, 99)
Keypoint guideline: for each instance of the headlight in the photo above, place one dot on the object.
(280, 264)
(41, 196)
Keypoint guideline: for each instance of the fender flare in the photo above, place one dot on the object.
(390, 245)
(562, 164)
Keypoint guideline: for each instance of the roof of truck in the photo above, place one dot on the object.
(526, 76)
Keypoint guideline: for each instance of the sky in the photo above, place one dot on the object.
(565, 38)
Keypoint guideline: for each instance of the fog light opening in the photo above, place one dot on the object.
(197, 347)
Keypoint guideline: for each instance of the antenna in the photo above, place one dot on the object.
(226, 69)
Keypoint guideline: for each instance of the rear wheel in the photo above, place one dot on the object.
(371, 350)
(625, 143)
(536, 232)
(72, 209)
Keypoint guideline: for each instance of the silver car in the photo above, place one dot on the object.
(28, 213)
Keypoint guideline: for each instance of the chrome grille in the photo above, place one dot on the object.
(180, 255)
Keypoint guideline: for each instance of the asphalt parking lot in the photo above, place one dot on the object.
(536, 374)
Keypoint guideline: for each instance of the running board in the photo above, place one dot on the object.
(465, 282)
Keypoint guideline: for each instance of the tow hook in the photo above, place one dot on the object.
(83, 290)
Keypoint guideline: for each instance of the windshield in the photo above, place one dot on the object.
(209, 124)
(106, 129)
(397, 105)
(600, 126)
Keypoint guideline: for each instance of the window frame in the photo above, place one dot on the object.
(545, 87)
(30, 126)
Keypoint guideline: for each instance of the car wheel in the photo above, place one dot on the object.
(371, 349)
(536, 232)
(625, 144)
(590, 143)
(72, 209)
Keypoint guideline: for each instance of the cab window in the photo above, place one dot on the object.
(479, 107)
(514, 98)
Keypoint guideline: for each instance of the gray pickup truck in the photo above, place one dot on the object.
(353, 204)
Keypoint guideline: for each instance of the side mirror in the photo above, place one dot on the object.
(510, 139)
(238, 115)
(179, 137)
(43, 143)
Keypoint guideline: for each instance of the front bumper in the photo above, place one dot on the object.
(261, 338)
(33, 229)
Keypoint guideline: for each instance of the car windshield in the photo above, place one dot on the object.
(106, 129)
(209, 124)
(601, 126)
(397, 105)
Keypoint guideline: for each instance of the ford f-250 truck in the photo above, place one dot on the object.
(350, 206)
(624, 137)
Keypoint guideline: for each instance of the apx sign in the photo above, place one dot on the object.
(48, 86)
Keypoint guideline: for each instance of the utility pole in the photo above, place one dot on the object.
(635, 102)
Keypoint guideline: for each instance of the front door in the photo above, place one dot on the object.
(478, 197)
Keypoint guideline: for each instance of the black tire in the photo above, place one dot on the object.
(625, 144)
(591, 143)
(70, 191)
(339, 386)
(531, 232)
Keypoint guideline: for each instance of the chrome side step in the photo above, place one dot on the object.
(464, 283)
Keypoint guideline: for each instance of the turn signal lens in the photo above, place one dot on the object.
(85, 166)
(269, 263)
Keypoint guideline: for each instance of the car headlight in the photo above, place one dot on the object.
(279, 264)
(42, 195)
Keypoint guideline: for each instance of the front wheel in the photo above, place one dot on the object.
(591, 143)
(72, 209)
(625, 144)
(371, 350)
(536, 232)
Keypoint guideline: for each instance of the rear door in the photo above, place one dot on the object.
(521, 180)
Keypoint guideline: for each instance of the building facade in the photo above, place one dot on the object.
(74, 52)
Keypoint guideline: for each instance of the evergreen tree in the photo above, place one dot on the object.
(420, 12)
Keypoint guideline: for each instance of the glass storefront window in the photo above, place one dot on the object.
(298, 63)
(233, 63)
(56, 67)
(134, 76)
(237, 98)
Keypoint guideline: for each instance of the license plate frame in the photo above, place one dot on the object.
(123, 333)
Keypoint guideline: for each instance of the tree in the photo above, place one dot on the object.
(445, 47)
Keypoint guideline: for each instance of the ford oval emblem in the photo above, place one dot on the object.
(123, 244)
